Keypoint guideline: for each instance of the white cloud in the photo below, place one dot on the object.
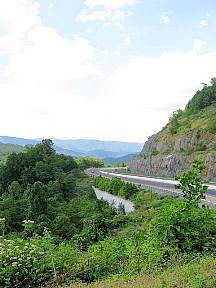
(111, 13)
(108, 17)
(110, 4)
(165, 19)
(199, 44)
(51, 5)
(127, 40)
(52, 87)
(51, 59)
(84, 16)
(17, 18)
(143, 93)
(37, 86)
(204, 23)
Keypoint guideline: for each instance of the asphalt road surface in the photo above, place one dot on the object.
(161, 186)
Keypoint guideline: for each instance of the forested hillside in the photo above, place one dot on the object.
(51, 190)
(6, 149)
(55, 233)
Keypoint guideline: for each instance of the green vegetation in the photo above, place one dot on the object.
(56, 233)
(7, 149)
(199, 114)
(189, 131)
(88, 162)
(203, 98)
(174, 122)
(46, 195)
(192, 185)
(116, 186)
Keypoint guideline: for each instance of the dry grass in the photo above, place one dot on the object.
(197, 274)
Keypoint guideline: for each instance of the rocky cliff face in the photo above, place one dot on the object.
(167, 155)
(165, 143)
(171, 165)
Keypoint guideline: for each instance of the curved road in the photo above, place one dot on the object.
(161, 186)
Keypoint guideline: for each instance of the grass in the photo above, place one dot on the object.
(199, 273)
(200, 124)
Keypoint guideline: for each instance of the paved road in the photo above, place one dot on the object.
(161, 186)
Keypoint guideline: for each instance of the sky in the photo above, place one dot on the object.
(101, 69)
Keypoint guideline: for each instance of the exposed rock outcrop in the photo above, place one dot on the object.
(171, 165)
(167, 155)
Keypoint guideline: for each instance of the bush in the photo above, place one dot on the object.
(174, 124)
(122, 256)
(27, 263)
(187, 229)
(191, 183)
(212, 127)
(116, 186)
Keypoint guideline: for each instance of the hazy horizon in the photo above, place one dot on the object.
(54, 138)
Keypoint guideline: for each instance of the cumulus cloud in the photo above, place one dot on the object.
(37, 90)
(50, 58)
(127, 40)
(149, 89)
(204, 23)
(17, 18)
(165, 19)
(84, 16)
(52, 87)
(199, 44)
(51, 5)
(111, 13)
(110, 4)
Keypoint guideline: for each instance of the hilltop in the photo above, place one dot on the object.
(188, 134)
(6, 149)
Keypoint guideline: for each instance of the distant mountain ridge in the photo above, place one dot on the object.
(83, 147)
(91, 145)
(124, 159)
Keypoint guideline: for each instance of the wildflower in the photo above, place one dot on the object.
(28, 222)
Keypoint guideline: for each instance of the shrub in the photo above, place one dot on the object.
(192, 184)
(116, 186)
(212, 127)
(126, 256)
(27, 263)
(187, 229)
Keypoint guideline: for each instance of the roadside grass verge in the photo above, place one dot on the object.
(200, 273)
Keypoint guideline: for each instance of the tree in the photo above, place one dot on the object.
(37, 199)
(191, 183)
(213, 81)
(174, 122)
(15, 190)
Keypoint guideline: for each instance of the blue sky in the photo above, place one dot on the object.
(105, 69)
(145, 27)
(189, 20)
